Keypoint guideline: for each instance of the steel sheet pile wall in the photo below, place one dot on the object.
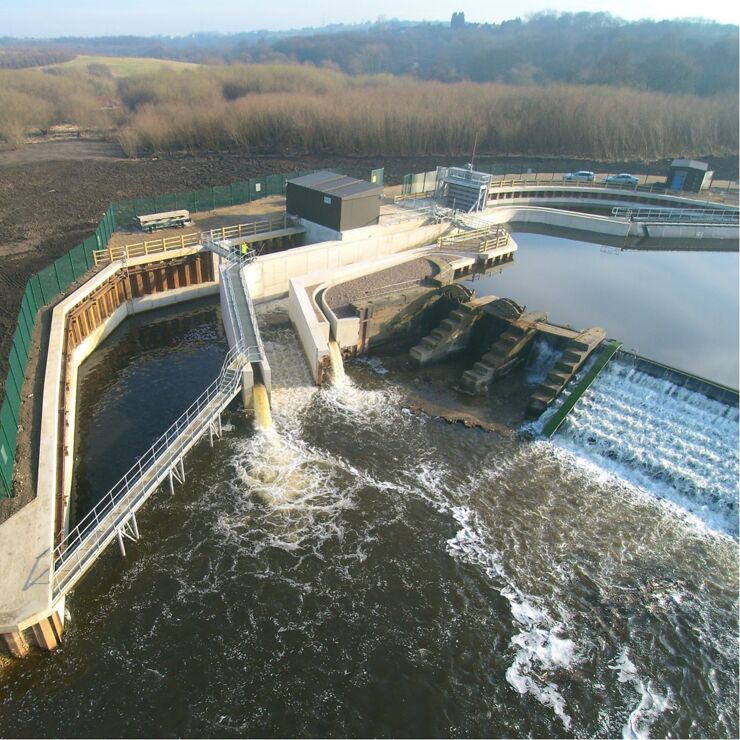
(46, 286)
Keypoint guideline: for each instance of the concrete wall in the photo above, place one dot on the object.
(27, 538)
(686, 231)
(562, 196)
(315, 332)
(502, 214)
(314, 336)
(532, 210)
(268, 277)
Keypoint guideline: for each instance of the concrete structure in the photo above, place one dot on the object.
(577, 350)
(41, 559)
(30, 611)
(334, 201)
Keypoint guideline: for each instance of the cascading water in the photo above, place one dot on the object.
(367, 557)
(337, 363)
(541, 360)
(667, 440)
(262, 415)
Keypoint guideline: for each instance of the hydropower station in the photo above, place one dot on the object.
(366, 273)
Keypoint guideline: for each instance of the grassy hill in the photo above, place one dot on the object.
(125, 66)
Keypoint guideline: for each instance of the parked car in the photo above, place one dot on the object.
(622, 179)
(580, 176)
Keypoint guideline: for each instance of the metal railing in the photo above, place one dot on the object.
(234, 262)
(193, 239)
(678, 215)
(395, 287)
(81, 545)
(422, 195)
(489, 237)
(657, 185)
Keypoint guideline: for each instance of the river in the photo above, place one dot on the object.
(677, 307)
(358, 570)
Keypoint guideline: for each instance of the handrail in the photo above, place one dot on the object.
(273, 222)
(171, 444)
(492, 235)
(678, 215)
(657, 187)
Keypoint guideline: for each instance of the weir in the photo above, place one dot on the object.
(214, 261)
(657, 434)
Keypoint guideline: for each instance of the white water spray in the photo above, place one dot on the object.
(667, 440)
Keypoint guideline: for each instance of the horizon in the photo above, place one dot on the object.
(46, 20)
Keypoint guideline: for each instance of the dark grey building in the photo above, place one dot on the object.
(335, 201)
(689, 175)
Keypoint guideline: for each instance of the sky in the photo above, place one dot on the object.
(50, 18)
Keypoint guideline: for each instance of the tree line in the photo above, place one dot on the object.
(676, 56)
(571, 48)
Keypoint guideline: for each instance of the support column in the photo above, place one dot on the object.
(56, 621)
(247, 385)
(44, 634)
(16, 644)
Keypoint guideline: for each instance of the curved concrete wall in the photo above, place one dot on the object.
(269, 276)
(595, 224)
(555, 195)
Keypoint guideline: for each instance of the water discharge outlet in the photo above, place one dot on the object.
(262, 414)
(337, 364)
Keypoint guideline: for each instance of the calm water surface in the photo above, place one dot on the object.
(676, 307)
(361, 571)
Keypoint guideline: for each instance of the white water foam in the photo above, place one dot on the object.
(540, 648)
(539, 645)
(651, 703)
(541, 360)
(663, 439)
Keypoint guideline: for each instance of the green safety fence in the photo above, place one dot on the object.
(46, 285)
(205, 199)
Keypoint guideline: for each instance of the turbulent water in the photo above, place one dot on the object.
(360, 570)
(676, 307)
(664, 439)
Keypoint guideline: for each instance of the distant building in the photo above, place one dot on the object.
(689, 175)
(338, 202)
(458, 20)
